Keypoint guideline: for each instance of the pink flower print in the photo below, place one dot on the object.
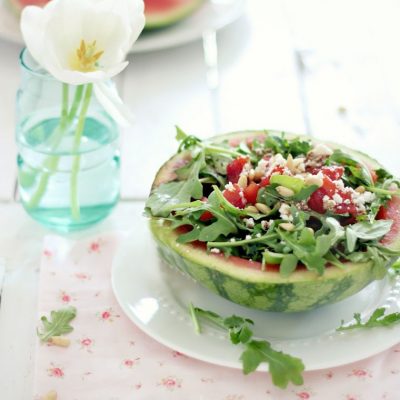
(95, 246)
(55, 371)
(86, 344)
(138, 386)
(303, 395)
(108, 315)
(351, 397)
(129, 363)
(360, 373)
(65, 297)
(82, 276)
(171, 383)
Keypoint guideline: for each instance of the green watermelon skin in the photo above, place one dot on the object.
(303, 290)
(248, 286)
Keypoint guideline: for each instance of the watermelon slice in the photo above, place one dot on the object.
(244, 282)
(18, 5)
(162, 13)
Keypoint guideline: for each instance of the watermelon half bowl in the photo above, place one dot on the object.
(248, 282)
(159, 13)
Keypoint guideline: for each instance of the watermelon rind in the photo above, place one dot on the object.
(251, 287)
(165, 18)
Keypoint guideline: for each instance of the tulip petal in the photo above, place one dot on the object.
(108, 97)
(33, 22)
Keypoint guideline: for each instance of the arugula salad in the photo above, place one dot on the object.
(286, 202)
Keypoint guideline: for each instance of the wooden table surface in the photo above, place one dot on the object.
(327, 68)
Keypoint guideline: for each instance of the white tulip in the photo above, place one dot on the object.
(82, 41)
(85, 41)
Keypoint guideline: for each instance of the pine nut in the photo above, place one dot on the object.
(242, 182)
(251, 175)
(289, 162)
(258, 175)
(284, 191)
(360, 189)
(263, 208)
(287, 226)
(50, 396)
(251, 209)
(314, 180)
(59, 341)
(298, 161)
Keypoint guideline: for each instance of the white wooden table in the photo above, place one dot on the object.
(328, 68)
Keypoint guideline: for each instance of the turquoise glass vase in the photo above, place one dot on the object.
(68, 152)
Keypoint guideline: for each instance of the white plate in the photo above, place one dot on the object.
(214, 15)
(156, 298)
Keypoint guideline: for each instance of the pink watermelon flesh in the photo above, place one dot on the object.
(23, 3)
(156, 6)
(391, 211)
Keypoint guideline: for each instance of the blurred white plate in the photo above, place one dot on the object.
(156, 298)
(213, 15)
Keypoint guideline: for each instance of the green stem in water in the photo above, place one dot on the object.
(51, 163)
(75, 208)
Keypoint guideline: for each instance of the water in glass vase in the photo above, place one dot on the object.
(45, 164)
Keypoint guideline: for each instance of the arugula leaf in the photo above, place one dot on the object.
(312, 254)
(223, 225)
(366, 231)
(283, 368)
(354, 166)
(58, 324)
(165, 197)
(377, 319)
(280, 144)
(186, 141)
(304, 193)
(288, 265)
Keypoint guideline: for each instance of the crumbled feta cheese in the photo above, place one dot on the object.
(285, 212)
(261, 168)
(368, 197)
(265, 224)
(248, 237)
(215, 250)
(258, 235)
(232, 240)
(249, 222)
(278, 159)
(230, 187)
(339, 184)
(328, 203)
(337, 198)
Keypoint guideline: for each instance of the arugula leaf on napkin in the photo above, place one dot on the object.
(284, 368)
(377, 318)
(58, 324)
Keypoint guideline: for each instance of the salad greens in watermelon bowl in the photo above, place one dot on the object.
(275, 221)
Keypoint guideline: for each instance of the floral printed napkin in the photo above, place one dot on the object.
(111, 359)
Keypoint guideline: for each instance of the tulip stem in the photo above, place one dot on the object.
(51, 163)
(75, 208)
